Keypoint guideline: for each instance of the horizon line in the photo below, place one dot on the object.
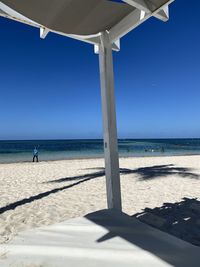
(78, 139)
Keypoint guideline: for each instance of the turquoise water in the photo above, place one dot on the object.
(17, 151)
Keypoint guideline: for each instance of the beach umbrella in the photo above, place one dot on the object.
(101, 23)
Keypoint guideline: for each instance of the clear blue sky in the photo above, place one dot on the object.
(50, 88)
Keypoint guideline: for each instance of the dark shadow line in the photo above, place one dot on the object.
(24, 201)
(146, 173)
(179, 219)
(81, 177)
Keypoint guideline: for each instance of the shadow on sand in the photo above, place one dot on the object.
(146, 173)
(182, 219)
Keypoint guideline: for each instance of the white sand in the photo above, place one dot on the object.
(21, 185)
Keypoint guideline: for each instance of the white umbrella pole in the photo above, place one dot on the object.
(109, 124)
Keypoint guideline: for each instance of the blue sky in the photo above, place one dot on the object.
(50, 88)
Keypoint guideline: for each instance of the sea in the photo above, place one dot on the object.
(22, 151)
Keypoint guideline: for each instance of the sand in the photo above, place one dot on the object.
(37, 194)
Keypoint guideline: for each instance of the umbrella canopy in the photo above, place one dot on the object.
(80, 17)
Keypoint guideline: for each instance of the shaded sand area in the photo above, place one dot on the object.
(33, 195)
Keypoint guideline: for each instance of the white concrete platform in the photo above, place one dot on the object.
(104, 238)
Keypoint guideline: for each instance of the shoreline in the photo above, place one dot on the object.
(164, 155)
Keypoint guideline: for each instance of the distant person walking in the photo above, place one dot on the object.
(35, 154)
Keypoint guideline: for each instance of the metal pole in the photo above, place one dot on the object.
(109, 123)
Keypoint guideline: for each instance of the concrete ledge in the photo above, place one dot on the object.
(104, 238)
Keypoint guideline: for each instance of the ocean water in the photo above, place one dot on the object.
(17, 151)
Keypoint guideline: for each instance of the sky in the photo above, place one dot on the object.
(50, 88)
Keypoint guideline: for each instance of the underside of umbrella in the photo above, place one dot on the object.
(85, 19)
(79, 17)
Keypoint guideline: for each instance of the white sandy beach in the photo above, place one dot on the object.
(29, 199)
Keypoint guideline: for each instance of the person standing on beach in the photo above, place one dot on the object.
(35, 154)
